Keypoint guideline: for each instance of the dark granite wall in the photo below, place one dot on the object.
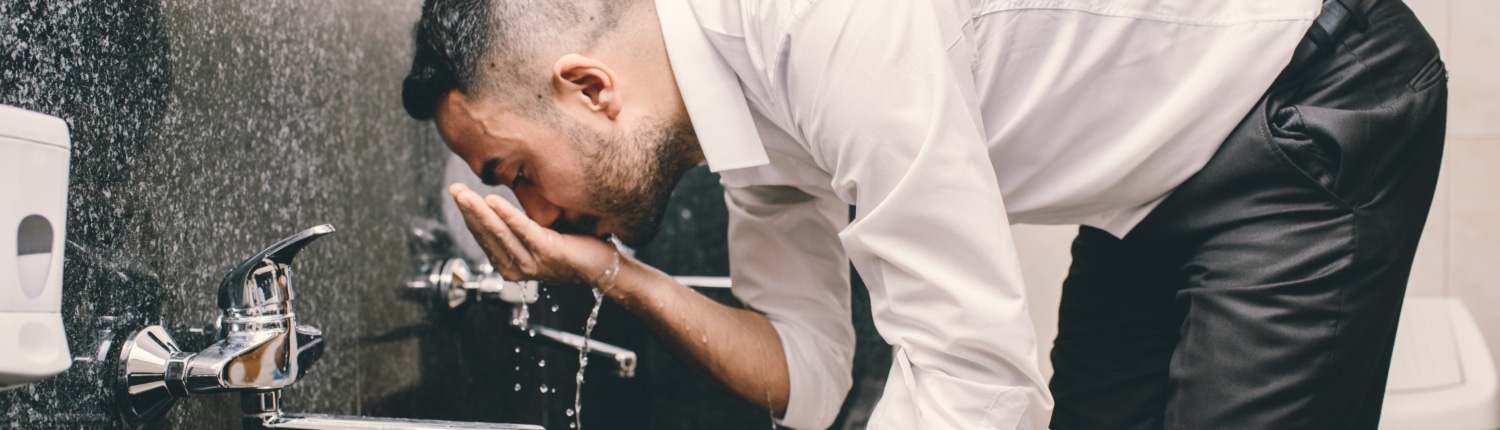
(205, 130)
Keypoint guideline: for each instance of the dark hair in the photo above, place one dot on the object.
(499, 48)
(451, 38)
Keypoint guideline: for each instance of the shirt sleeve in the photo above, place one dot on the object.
(882, 92)
(790, 266)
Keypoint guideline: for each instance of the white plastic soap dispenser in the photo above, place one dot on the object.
(33, 208)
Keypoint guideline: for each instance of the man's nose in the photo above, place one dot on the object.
(536, 206)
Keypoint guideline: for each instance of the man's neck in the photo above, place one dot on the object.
(637, 45)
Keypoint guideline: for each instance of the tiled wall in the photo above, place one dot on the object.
(1460, 254)
(1460, 251)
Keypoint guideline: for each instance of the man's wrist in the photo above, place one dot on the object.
(606, 280)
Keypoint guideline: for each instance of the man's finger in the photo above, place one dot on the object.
(529, 231)
(491, 222)
(473, 206)
(500, 257)
(487, 241)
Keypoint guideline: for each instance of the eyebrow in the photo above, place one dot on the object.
(487, 172)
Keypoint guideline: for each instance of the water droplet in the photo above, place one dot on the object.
(541, 363)
(518, 387)
(544, 388)
(554, 308)
(570, 412)
(518, 350)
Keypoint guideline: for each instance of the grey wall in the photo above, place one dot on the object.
(204, 131)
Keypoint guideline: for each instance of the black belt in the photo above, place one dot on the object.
(1339, 14)
(1338, 17)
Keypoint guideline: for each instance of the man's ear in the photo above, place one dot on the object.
(585, 82)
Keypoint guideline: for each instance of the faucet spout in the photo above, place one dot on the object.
(622, 360)
(254, 360)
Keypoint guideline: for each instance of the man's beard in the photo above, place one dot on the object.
(630, 177)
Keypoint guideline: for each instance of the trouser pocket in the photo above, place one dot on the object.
(1317, 157)
(1430, 74)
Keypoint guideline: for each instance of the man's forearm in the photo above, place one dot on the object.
(735, 348)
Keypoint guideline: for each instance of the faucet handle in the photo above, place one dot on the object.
(261, 284)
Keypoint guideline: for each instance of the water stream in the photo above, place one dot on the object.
(583, 361)
(522, 321)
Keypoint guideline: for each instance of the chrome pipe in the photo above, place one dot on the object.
(622, 359)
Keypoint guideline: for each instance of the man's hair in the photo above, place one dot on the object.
(499, 48)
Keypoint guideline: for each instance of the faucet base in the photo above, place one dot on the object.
(336, 422)
(263, 411)
(142, 390)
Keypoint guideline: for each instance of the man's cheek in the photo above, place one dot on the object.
(583, 226)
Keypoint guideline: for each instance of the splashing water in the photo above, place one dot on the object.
(525, 317)
(522, 320)
(583, 361)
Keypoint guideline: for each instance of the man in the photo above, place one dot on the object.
(1235, 270)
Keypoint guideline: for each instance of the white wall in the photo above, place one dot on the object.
(1044, 263)
(1462, 257)
(1460, 251)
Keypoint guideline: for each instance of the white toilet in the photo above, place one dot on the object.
(1442, 375)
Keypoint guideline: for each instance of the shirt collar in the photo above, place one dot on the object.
(715, 102)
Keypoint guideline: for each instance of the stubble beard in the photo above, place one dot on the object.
(631, 177)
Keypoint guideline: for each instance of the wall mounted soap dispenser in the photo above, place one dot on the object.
(33, 208)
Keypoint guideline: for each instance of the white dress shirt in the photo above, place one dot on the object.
(923, 114)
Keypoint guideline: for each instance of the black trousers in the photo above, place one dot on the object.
(1263, 293)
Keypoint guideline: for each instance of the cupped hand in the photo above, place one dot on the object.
(522, 250)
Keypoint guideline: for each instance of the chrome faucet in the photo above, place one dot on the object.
(261, 350)
(451, 283)
(261, 347)
(448, 281)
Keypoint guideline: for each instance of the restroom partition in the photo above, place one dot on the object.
(203, 131)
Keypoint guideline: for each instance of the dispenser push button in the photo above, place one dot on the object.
(33, 254)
